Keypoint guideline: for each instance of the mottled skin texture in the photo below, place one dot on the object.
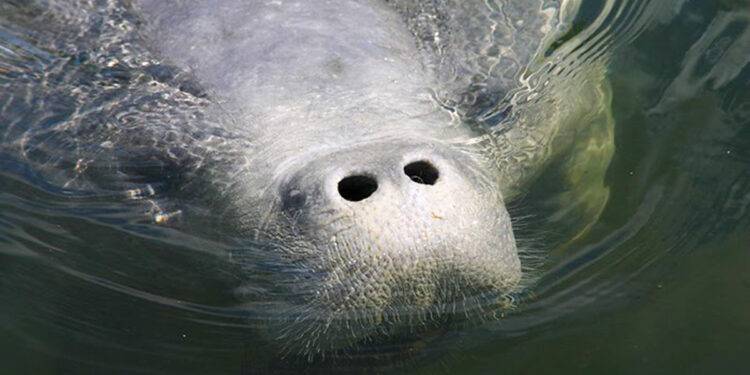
(292, 97)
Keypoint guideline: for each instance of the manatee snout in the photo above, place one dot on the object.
(379, 237)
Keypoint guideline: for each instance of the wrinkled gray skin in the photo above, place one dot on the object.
(336, 89)
(298, 95)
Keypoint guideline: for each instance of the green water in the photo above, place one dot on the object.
(660, 284)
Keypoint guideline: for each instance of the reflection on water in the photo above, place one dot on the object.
(89, 283)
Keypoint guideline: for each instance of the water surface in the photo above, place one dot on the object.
(88, 283)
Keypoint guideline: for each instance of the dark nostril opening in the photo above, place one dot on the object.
(422, 172)
(357, 188)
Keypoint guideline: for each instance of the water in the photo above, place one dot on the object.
(658, 285)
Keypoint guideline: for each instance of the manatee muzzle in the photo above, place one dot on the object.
(379, 238)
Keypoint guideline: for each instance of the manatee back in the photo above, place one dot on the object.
(283, 51)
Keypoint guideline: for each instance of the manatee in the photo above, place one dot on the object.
(363, 152)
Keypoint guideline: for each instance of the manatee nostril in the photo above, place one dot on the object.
(422, 172)
(357, 188)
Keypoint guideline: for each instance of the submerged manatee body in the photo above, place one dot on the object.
(335, 133)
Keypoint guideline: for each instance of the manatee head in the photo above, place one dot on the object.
(382, 238)
(371, 208)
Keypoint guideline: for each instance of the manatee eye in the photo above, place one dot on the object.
(422, 172)
(357, 188)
